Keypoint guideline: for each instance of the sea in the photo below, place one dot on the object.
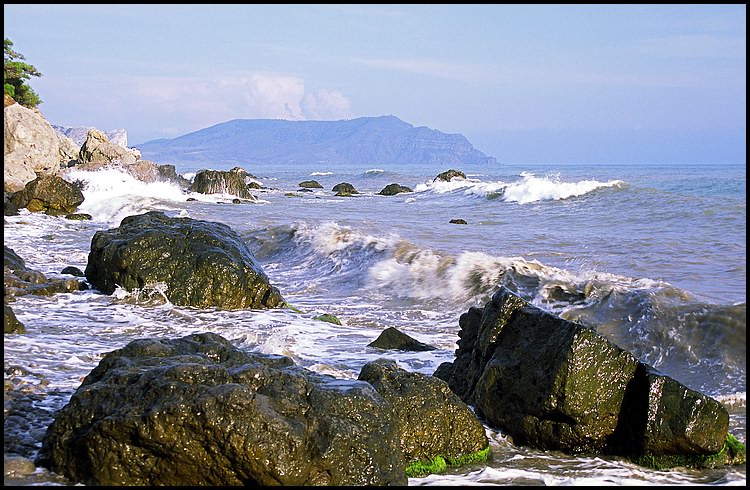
(653, 256)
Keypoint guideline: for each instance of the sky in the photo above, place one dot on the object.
(523, 83)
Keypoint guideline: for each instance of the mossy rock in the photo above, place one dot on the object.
(732, 453)
(419, 469)
(310, 184)
(326, 317)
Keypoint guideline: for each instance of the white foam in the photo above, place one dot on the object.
(330, 237)
(529, 189)
(110, 194)
(533, 189)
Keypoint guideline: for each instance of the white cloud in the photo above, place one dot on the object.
(326, 105)
(201, 102)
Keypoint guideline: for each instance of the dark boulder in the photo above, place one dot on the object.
(49, 194)
(73, 271)
(169, 173)
(458, 221)
(232, 182)
(78, 216)
(449, 174)
(19, 280)
(558, 385)
(393, 339)
(9, 209)
(393, 189)
(432, 421)
(310, 184)
(344, 189)
(195, 263)
(11, 324)
(12, 260)
(198, 411)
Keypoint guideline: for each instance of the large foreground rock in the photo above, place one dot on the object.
(558, 385)
(192, 262)
(432, 420)
(197, 411)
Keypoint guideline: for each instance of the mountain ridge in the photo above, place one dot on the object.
(372, 139)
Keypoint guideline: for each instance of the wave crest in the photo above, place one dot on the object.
(527, 190)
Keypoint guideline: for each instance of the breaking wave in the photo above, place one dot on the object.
(528, 189)
(662, 325)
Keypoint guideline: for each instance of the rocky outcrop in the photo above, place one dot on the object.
(11, 324)
(310, 184)
(449, 174)
(344, 189)
(169, 173)
(432, 420)
(69, 151)
(49, 194)
(78, 134)
(558, 385)
(234, 182)
(31, 146)
(97, 149)
(20, 280)
(9, 209)
(197, 411)
(192, 262)
(393, 189)
(393, 339)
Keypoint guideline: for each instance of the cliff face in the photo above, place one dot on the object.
(374, 140)
(30, 146)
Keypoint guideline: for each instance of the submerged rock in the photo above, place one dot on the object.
(310, 184)
(393, 339)
(192, 262)
(558, 385)
(11, 324)
(393, 189)
(449, 174)
(344, 189)
(198, 411)
(20, 280)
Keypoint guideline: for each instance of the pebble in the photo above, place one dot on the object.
(18, 466)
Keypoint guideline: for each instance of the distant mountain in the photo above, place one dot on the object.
(368, 140)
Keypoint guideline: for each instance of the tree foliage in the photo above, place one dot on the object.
(15, 74)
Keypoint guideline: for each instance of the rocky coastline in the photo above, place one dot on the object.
(196, 410)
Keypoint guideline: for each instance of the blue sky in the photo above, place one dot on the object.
(524, 83)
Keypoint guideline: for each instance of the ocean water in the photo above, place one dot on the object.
(652, 256)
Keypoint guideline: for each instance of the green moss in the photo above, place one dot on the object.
(326, 317)
(418, 469)
(287, 305)
(475, 457)
(732, 453)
